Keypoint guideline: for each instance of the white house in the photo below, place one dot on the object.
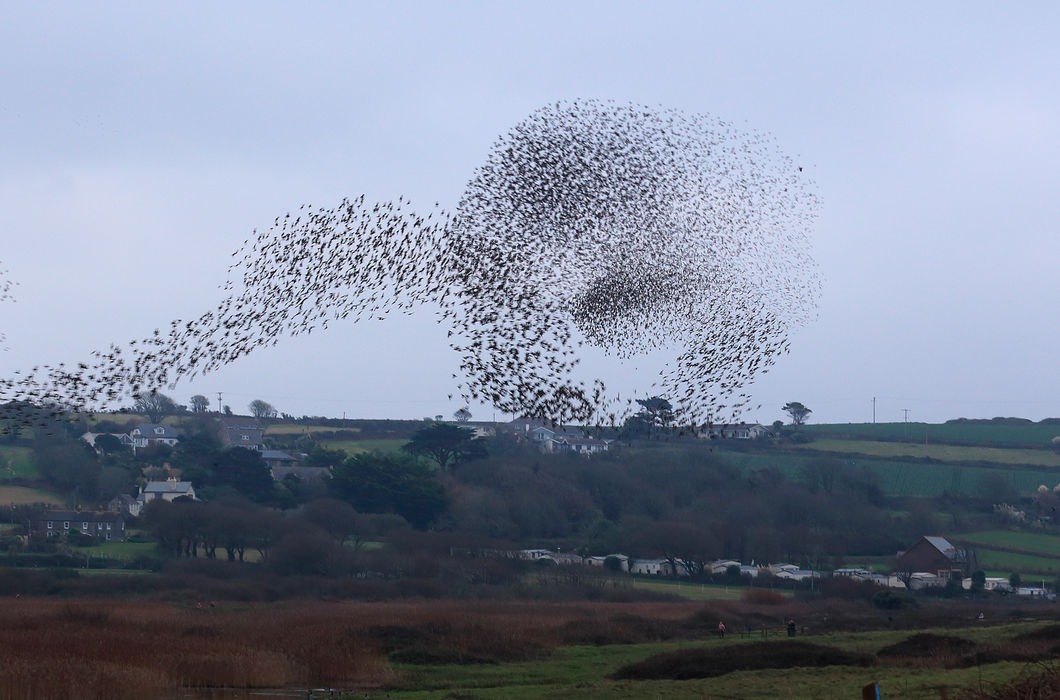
(733, 431)
(168, 490)
(651, 567)
(153, 434)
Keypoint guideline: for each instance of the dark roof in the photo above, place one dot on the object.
(92, 516)
(167, 487)
(277, 455)
(303, 473)
(234, 436)
(148, 430)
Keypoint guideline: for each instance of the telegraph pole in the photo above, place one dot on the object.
(874, 410)
(218, 403)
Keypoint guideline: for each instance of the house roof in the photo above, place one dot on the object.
(943, 545)
(303, 473)
(157, 430)
(168, 487)
(82, 515)
(234, 436)
(277, 455)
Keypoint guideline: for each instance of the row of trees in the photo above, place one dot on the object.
(156, 406)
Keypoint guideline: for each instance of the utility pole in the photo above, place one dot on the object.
(873, 410)
(218, 403)
(906, 411)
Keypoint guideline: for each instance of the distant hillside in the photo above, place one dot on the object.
(1003, 432)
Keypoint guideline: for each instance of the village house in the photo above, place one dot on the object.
(123, 438)
(147, 434)
(733, 431)
(168, 490)
(251, 438)
(106, 525)
(650, 567)
(936, 555)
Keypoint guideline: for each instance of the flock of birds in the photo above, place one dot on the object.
(591, 224)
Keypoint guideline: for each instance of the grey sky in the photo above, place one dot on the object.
(140, 144)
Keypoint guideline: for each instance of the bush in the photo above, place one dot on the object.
(893, 600)
(707, 663)
(762, 596)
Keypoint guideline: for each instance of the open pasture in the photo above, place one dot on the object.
(16, 463)
(940, 452)
(902, 478)
(22, 495)
(1027, 542)
(352, 447)
(1017, 435)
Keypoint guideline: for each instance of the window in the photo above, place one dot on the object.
(49, 524)
(99, 526)
(108, 527)
(108, 535)
(84, 525)
(66, 524)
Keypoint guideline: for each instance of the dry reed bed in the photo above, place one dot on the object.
(107, 649)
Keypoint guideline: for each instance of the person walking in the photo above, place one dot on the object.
(721, 630)
(791, 627)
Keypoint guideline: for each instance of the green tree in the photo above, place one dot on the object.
(1015, 580)
(446, 444)
(244, 471)
(109, 444)
(199, 404)
(797, 411)
(378, 483)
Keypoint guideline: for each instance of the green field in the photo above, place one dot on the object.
(903, 478)
(300, 429)
(943, 453)
(21, 495)
(1007, 562)
(1029, 542)
(352, 447)
(695, 591)
(16, 463)
(1024, 434)
(582, 672)
(124, 550)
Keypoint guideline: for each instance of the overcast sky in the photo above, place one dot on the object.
(140, 144)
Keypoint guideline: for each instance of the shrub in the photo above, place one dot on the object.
(707, 663)
(893, 600)
(762, 596)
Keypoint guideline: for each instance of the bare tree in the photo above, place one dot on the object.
(155, 405)
(262, 409)
(463, 415)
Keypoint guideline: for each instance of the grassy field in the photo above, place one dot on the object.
(582, 672)
(943, 453)
(123, 550)
(694, 591)
(1029, 542)
(1025, 434)
(352, 447)
(1026, 564)
(18, 495)
(16, 463)
(301, 429)
(900, 478)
